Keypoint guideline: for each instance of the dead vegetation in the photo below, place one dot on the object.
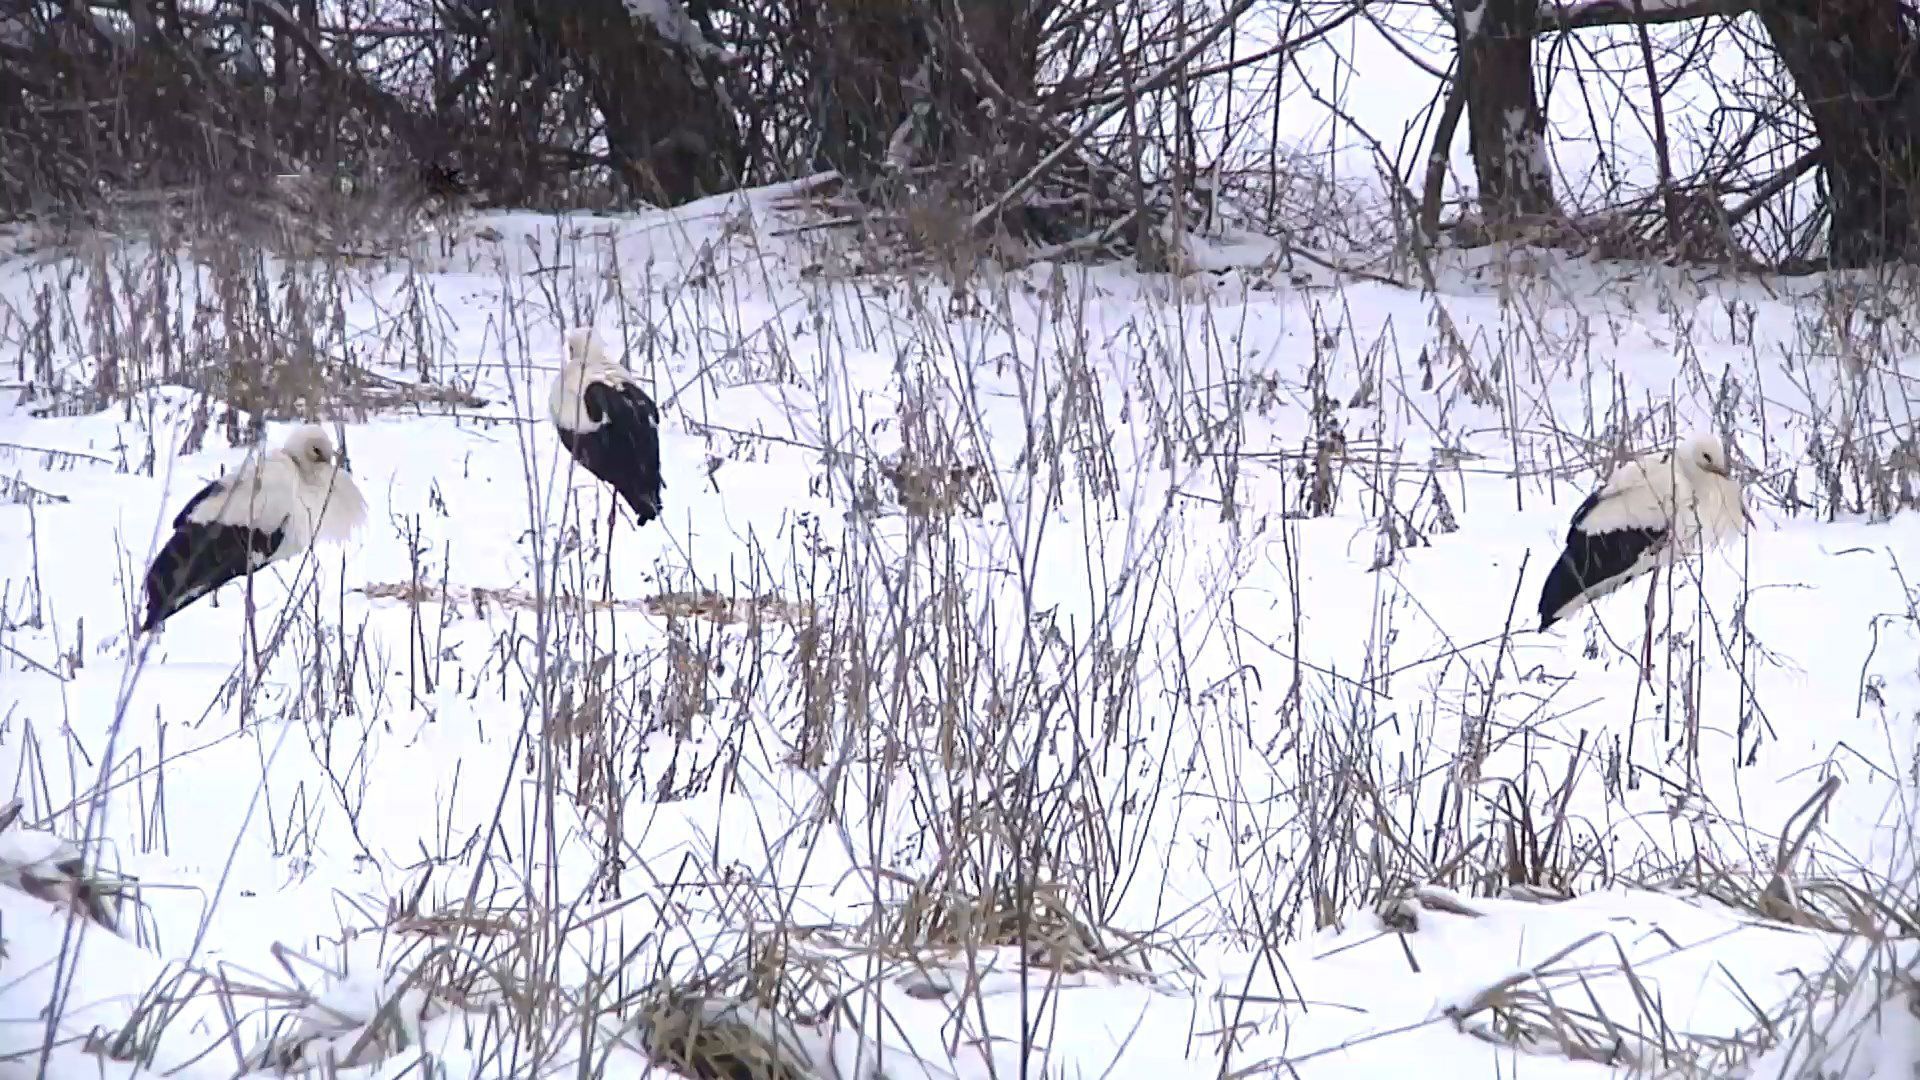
(1009, 708)
(933, 491)
(706, 605)
(49, 868)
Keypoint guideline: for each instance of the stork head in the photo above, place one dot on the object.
(1703, 452)
(584, 348)
(311, 449)
(332, 496)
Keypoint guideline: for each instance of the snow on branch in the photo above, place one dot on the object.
(670, 20)
(1584, 14)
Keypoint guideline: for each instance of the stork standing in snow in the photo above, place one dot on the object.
(1652, 510)
(270, 509)
(608, 423)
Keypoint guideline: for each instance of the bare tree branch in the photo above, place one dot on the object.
(1437, 157)
(1587, 14)
(1167, 73)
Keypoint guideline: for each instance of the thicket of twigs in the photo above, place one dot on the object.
(967, 113)
(1072, 125)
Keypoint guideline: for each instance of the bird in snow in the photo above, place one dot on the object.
(608, 423)
(1652, 510)
(271, 508)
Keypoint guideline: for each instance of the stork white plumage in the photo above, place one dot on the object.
(271, 508)
(1654, 509)
(608, 423)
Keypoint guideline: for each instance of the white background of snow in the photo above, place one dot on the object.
(436, 771)
(1826, 599)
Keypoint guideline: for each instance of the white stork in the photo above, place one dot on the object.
(608, 423)
(271, 508)
(1652, 510)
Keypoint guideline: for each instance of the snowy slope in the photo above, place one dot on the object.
(1183, 619)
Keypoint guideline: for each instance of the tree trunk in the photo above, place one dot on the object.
(883, 64)
(1504, 119)
(869, 58)
(670, 130)
(1854, 63)
(1005, 38)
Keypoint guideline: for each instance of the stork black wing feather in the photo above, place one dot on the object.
(185, 517)
(1580, 515)
(625, 450)
(199, 558)
(1592, 565)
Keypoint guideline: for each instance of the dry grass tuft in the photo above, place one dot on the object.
(371, 391)
(729, 610)
(707, 605)
(1401, 912)
(1823, 903)
(1513, 1013)
(712, 1038)
(1552, 1009)
(480, 600)
(931, 923)
(932, 490)
(48, 868)
(17, 492)
(1052, 936)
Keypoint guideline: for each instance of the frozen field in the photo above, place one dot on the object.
(1050, 670)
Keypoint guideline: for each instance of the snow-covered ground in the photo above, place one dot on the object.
(1127, 672)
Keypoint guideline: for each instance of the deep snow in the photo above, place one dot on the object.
(1260, 704)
